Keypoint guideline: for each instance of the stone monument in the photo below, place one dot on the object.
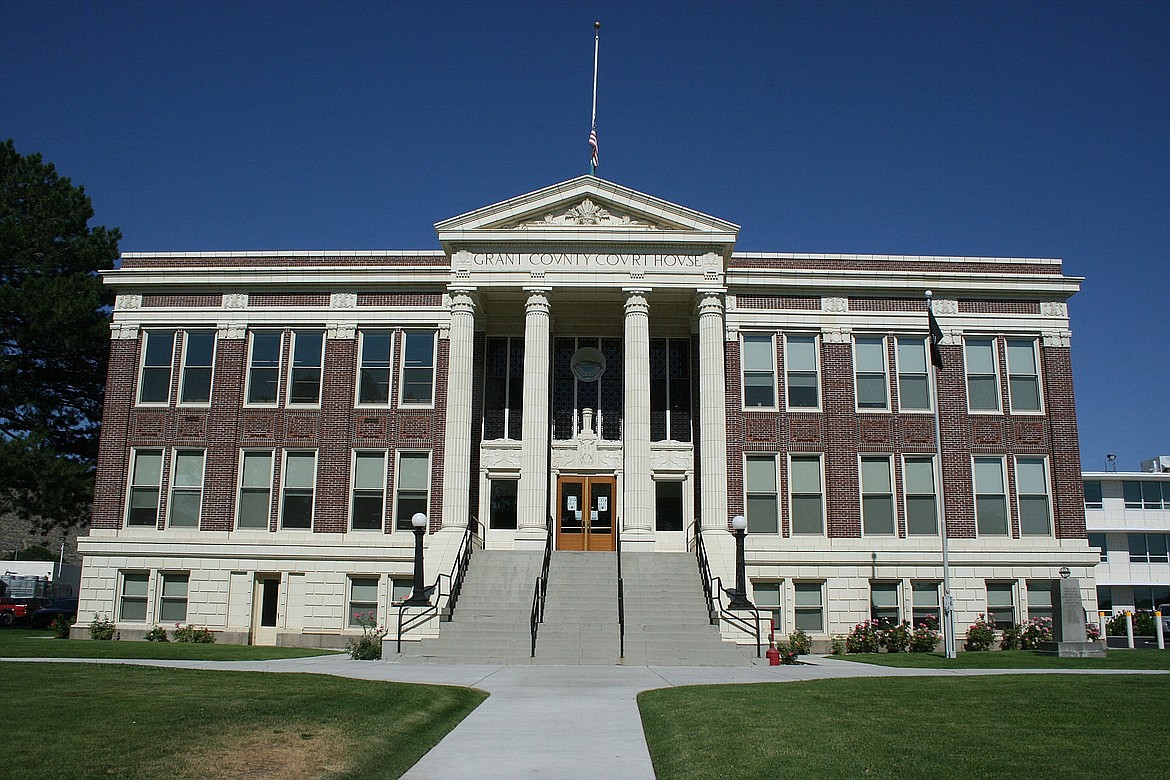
(1068, 630)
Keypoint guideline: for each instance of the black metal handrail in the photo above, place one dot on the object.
(713, 593)
(621, 591)
(453, 581)
(538, 593)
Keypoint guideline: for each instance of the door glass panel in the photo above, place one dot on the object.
(601, 503)
(571, 507)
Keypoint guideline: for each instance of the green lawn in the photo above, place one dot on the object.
(38, 643)
(1016, 659)
(67, 720)
(1035, 726)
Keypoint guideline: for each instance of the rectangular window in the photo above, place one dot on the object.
(503, 388)
(1093, 495)
(172, 602)
(877, 496)
(883, 601)
(807, 499)
(1133, 494)
(154, 381)
(296, 500)
(132, 605)
(982, 379)
(1147, 548)
(400, 589)
(801, 372)
(198, 360)
(363, 600)
(925, 604)
(668, 505)
(763, 513)
(1151, 495)
(670, 390)
(502, 512)
(767, 598)
(368, 501)
(870, 379)
(991, 512)
(414, 480)
(759, 371)
(809, 605)
(1105, 598)
(255, 500)
(1001, 607)
(418, 368)
(1023, 375)
(921, 501)
(1099, 541)
(374, 368)
(1040, 599)
(1151, 597)
(145, 481)
(1035, 506)
(263, 367)
(186, 489)
(304, 381)
(913, 379)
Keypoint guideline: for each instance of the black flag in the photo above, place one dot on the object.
(936, 337)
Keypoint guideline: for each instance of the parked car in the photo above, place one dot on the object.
(46, 615)
(19, 610)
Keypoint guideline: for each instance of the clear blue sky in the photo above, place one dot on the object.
(967, 128)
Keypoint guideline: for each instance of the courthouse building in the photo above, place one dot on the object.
(596, 355)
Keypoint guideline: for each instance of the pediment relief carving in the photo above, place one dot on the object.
(590, 214)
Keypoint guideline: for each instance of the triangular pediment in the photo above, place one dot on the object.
(579, 209)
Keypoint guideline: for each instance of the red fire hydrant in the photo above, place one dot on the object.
(773, 655)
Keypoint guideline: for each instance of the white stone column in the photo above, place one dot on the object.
(532, 509)
(712, 412)
(457, 446)
(638, 492)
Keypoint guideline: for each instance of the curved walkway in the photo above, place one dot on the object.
(562, 722)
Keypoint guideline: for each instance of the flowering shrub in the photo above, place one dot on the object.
(864, 638)
(838, 646)
(61, 625)
(1011, 637)
(156, 634)
(368, 646)
(895, 637)
(1092, 631)
(923, 639)
(1034, 632)
(799, 642)
(1143, 624)
(100, 628)
(189, 633)
(787, 652)
(980, 634)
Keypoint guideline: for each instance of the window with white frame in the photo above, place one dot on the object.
(132, 603)
(1146, 494)
(802, 376)
(883, 602)
(255, 498)
(877, 496)
(304, 381)
(871, 382)
(412, 495)
(363, 601)
(374, 364)
(1040, 601)
(1023, 375)
(299, 478)
(154, 380)
(503, 387)
(1001, 604)
(1147, 548)
(172, 599)
(921, 501)
(502, 503)
(418, 368)
(1032, 490)
(400, 589)
(925, 604)
(1100, 542)
(1150, 597)
(1132, 493)
(762, 506)
(991, 510)
(263, 367)
(145, 482)
(368, 500)
(809, 606)
(186, 489)
(982, 378)
(913, 376)
(198, 361)
(767, 596)
(668, 505)
(670, 389)
(806, 496)
(759, 371)
(1094, 498)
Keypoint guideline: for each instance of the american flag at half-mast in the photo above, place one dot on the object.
(593, 146)
(936, 337)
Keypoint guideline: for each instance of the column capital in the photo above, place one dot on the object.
(537, 302)
(709, 302)
(636, 302)
(462, 299)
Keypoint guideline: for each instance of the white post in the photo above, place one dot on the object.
(1103, 625)
(1158, 630)
(1129, 628)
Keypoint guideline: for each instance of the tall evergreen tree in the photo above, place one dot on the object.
(54, 341)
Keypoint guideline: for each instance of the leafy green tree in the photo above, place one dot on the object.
(54, 341)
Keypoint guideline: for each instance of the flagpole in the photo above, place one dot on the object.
(948, 603)
(593, 119)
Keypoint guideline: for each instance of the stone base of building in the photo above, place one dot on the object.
(1074, 649)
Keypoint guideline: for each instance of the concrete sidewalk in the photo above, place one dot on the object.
(560, 721)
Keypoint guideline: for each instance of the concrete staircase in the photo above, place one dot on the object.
(666, 616)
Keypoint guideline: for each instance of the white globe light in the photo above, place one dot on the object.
(419, 520)
(739, 522)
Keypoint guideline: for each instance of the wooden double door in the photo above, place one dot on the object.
(586, 512)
